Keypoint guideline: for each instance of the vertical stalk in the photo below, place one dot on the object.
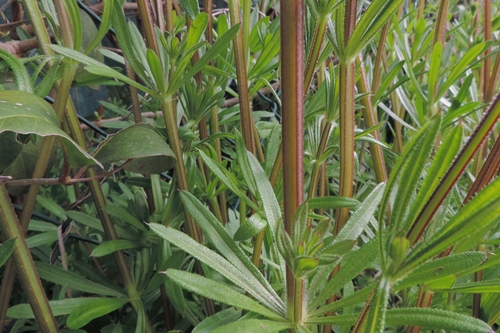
(371, 119)
(317, 41)
(146, 15)
(346, 111)
(440, 32)
(292, 84)
(26, 270)
(242, 76)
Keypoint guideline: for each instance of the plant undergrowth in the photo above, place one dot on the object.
(294, 166)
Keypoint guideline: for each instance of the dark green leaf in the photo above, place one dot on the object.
(149, 151)
(83, 314)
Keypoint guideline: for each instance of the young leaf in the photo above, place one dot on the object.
(219, 292)
(149, 151)
(251, 227)
(104, 26)
(83, 314)
(21, 75)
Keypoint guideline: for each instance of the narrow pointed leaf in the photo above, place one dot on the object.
(111, 246)
(6, 250)
(436, 319)
(219, 292)
(253, 325)
(83, 314)
(58, 307)
(65, 278)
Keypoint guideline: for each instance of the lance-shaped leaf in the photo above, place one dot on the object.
(141, 143)
(480, 212)
(59, 307)
(253, 325)
(436, 319)
(219, 292)
(25, 113)
(83, 314)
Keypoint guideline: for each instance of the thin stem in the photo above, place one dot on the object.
(242, 76)
(317, 41)
(146, 14)
(371, 119)
(26, 270)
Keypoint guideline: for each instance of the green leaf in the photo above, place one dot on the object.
(157, 70)
(360, 218)
(410, 175)
(434, 71)
(97, 68)
(442, 160)
(96, 224)
(460, 68)
(266, 57)
(52, 207)
(387, 80)
(149, 151)
(267, 198)
(219, 292)
(332, 203)
(351, 265)
(377, 14)
(254, 325)
(104, 26)
(83, 314)
(111, 246)
(190, 7)
(480, 212)
(58, 307)
(25, 113)
(246, 281)
(351, 300)
(21, 75)
(480, 287)
(441, 267)
(436, 319)
(227, 178)
(251, 227)
(217, 320)
(65, 278)
(76, 23)
(222, 42)
(241, 157)
(6, 250)
(122, 214)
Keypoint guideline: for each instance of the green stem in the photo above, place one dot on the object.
(292, 80)
(26, 270)
(147, 23)
(371, 119)
(317, 41)
(242, 76)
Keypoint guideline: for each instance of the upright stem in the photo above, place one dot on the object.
(242, 76)
(346, 111)
(292, 79)
(26, 270)
(312, 58)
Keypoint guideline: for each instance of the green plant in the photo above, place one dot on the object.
(215, 215)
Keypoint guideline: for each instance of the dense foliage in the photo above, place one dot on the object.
(303, 166)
